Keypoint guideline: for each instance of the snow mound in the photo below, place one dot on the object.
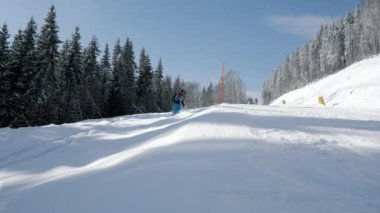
(355, 86)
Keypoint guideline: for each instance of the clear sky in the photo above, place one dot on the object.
(193, 37)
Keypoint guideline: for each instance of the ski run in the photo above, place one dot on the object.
(226, 158)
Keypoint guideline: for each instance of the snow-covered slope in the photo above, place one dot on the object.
(228, 158)
(355, 86)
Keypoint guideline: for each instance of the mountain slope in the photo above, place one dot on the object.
(227, 158)
(355, 86)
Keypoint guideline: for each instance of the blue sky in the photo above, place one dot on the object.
(193, 37)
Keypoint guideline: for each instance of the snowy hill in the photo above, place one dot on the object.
(227, 158)
(355, 86)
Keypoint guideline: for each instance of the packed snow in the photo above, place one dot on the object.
(226, 158)
(356, 86)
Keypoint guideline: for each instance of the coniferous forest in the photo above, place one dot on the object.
(354, 37)
(45, 80)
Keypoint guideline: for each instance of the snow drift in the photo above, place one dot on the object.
(355, 86)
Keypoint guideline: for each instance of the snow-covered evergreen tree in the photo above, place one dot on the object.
(4, 50)
(167, 94)
(349, 38)
(72, 78)
(29, 66)
(45, 107)
(115, 107)
(177, 86)
(91, 94)
(105, 72)
(4, 68)
(127, 79)
(208, 96)
(62, 64)
(21, 69)
(193, 98)
(158, 94)
(145, 84)
(233, 89)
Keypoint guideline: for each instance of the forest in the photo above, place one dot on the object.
(354, 37)
(44, 80)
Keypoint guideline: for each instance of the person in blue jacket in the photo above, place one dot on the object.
(178, 100)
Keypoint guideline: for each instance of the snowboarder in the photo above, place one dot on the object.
(178, 100)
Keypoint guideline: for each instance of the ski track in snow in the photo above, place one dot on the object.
(227, 158)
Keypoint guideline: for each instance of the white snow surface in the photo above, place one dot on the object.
(226, 158)
(357, 86)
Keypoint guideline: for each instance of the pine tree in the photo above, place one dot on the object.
(21, 70)
(370, 38)
(158, 87)
(304, 65)
(348, 26)
(192, 95)
(314, 59)
(105, 72)
(233, 88)
(359, 37)
(4, 50)
(91, 93)
(295, 70)
(45, 80)
(72, 78)
(62, 64)
(29, 64)
(167, 94)
(115, 107)
(210, 94)
(204, 98)
(127, 78)
(339, 47)
(12, 79)
(4, 66)
(177, 86)
(145, 83)
(28, 67)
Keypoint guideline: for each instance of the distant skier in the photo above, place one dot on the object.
(178, 100)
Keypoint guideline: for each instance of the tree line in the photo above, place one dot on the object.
(352, 38)
(234, 92)
(44, 80)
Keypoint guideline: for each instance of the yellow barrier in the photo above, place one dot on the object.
(321, 101)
